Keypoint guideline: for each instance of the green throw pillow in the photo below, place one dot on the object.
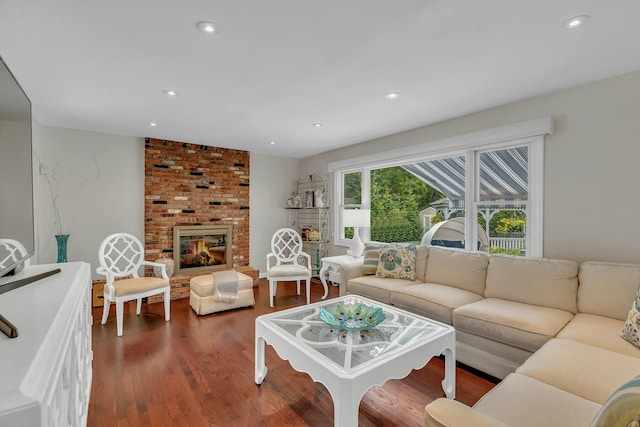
(622, 407)
(371, 257)
(397, 262)
(631, 329)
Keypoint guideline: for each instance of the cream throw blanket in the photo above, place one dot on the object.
(226, 283)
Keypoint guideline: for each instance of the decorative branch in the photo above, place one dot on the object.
(54, 189)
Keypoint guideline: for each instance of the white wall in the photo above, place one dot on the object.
(591, 192)
(591, 176)
(271, 184)
(101, 191)
(97, 181)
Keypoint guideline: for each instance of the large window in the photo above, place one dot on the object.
(487, 188)
(350, 191)
(398, 201)
(501, 201)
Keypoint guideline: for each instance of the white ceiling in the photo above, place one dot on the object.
(278, 66)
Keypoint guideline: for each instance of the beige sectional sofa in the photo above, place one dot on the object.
(549, 328)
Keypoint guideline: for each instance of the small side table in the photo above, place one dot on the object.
(331, 265)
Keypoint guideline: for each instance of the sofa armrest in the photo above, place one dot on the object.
(348, 272)
(449, 413)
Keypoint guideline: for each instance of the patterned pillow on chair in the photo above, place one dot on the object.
(397, 262)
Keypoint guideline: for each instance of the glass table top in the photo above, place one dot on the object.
(351, 351)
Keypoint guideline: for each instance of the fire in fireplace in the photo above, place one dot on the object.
(202, 248)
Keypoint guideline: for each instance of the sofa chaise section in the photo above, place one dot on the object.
(568, 380)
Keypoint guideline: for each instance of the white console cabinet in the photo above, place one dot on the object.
(45, 373)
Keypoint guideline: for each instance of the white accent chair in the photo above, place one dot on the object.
(122, 255)
(12, 251)
(286, 250)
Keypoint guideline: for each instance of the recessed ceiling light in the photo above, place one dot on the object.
(392, 95)
(272, 143)
(317, 125)
(575, 22)
(208, 27)
(169, 92)
(153, 124)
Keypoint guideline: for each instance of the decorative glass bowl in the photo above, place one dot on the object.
(352, 317)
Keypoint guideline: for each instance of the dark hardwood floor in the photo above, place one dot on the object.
(199, 371)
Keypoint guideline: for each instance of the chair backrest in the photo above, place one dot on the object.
(11, 251)
(121, 254)
(286, 246)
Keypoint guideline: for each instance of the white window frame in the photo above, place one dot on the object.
(530, 133)
(338, 199)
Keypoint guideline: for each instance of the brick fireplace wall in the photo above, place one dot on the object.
(188, 184)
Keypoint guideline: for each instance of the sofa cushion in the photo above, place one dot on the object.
(422, 255)
(444, 412)
(581, 369)
(607, 289)
(599, 331)
(458, 268)
(521, 325)
(622, 406)
(433, 300)
(538, 281)
(377, 288)
(397, 262)
(523, 401)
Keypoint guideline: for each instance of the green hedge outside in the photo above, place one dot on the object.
(398, 232)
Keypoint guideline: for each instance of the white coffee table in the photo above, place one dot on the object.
(349, 363)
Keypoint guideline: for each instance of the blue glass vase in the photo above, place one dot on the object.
(62, 240)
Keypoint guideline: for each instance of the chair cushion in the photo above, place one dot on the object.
(288, 270)
(397, 262)
(522, 325)
(132, 286)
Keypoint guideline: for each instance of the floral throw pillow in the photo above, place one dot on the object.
(631, 329)
(397, 262)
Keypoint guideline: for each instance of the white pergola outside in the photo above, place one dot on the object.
(503, 185)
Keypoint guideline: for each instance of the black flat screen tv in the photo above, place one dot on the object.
(16, 168)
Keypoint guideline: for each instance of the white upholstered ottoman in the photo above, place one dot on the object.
(203, 300)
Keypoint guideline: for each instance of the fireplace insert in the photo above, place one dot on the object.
(202, 248)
